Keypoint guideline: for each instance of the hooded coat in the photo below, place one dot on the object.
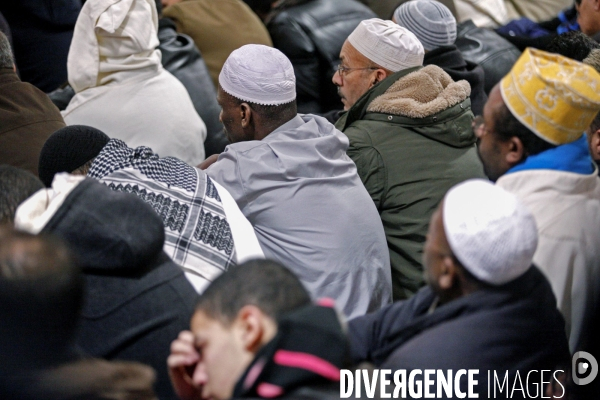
(28, 118)
(512, 327)
(302, 361)
(136, 300)
(411, 139)
(121, 87)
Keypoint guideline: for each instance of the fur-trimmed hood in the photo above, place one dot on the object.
(421, 93)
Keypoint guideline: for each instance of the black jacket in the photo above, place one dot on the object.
(310, 333)
(181, 57)
(511, 327)
(311, 35)
(136, 299)
(451, 60)
(42, 33)
(489, 50)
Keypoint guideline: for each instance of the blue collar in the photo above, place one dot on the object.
(571, 157)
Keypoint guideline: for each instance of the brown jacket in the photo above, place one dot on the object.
(218, 27)
(27, 118)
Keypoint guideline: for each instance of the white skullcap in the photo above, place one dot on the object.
(489, 231)
(431, 22)
(259, 74)
(387, 44)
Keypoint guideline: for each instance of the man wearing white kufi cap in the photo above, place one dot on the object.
(485, 306)
(410, 136)
(292, 179)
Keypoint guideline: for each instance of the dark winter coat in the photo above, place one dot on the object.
(136, 300)
(42, 32)
(411, 140)
(513, 327)
(27, 119)
(311, 333)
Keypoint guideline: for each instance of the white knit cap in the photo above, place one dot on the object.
(387, 44)
(431, 22)
(259, 74)
(489, 231)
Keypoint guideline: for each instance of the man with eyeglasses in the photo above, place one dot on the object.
(410, 136)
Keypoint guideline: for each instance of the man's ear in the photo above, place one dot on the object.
(515, 151)
(250, 321)
(378, 75)
(594, 140)
(246, 115)
(448, 274)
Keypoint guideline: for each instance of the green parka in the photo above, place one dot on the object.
(411, 139)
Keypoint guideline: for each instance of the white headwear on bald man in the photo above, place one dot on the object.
(259, 74)
(490, 231)
(387, 44)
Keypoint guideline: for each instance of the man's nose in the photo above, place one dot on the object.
(200, 378)
(337, 79)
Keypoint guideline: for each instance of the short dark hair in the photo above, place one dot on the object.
(506, 126)
(265, 284)
(16, 185)
(41, 294)
(575, 45)
(282, 112)
(6, 54)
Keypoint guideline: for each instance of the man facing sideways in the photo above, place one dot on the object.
(486, 308)
(532, 144)
(410, 136)
(292, 179)
(266, 341)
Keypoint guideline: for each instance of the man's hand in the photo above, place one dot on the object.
(208, 162)
(182, 362)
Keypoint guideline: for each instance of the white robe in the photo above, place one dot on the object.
(566, 207)
(311, 212)
(121, 87)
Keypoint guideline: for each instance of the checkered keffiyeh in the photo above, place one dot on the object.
(198, 236)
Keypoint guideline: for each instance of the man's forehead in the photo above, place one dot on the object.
(203, 325)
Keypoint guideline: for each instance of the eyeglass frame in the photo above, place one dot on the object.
(341, 70)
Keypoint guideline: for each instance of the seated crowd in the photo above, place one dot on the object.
(368, 199)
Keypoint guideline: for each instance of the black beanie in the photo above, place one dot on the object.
(68, 149)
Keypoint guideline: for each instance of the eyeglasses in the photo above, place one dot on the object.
(345, 70)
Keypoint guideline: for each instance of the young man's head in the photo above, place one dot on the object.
(480, 235)
(257, 92)
(16, 185)
(235, 317)
(374, 50)
(545, 101)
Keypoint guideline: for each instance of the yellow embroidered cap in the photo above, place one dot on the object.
(556, 97)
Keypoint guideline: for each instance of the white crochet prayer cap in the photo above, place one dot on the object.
(431, 22)
(259, 74)
(387, 44)
(489, 230)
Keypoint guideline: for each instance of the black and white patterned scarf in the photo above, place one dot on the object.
(198, 236)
